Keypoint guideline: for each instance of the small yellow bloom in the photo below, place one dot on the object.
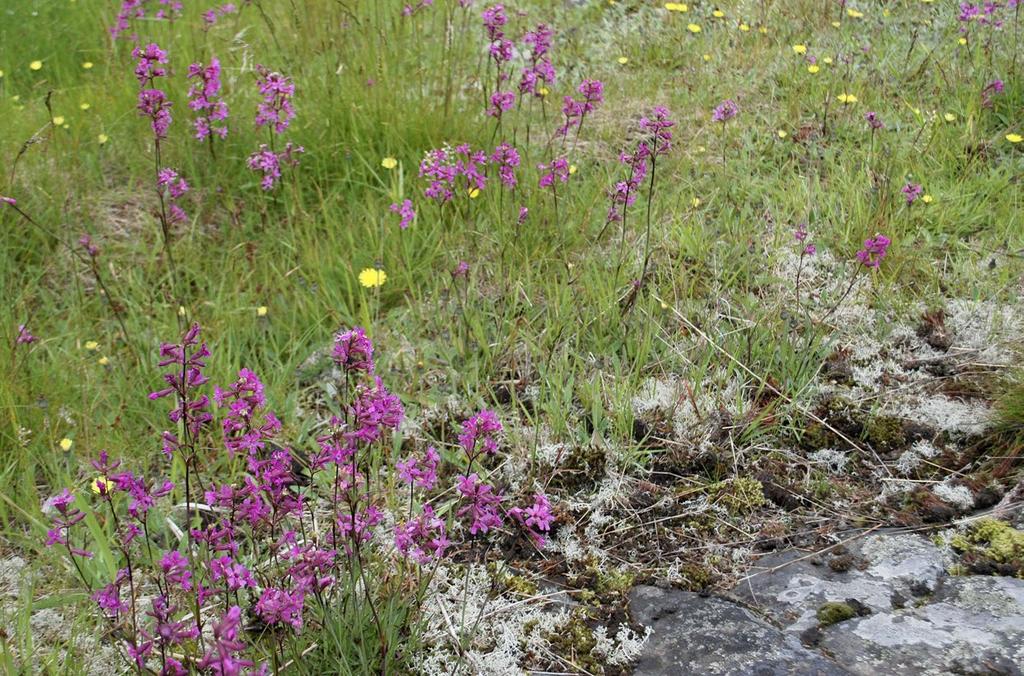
(927, 199)
(474, 193)
(664, 305)
(181, 310)
(852, 13)
(836, 24)
(59, 120)
(847, 98)
(718, 14)
(261, 311)
(543, 91)
(707, 57)
(389, 163)
(949, 117)
(91, 345)
(961, 41)
(87, 65)
(813, 68)
(371, 277)
(763, 30)
(695, 202)
(16, 97)
(35, 65)
(827, 61)
(693, 28)
(65, 444)
(103, 361)
(744, 27)
(800, 49)
(623, 60)
(572, 169)
(1, 73)
(102, 485)
(84, 106)
(1014, 138)
(102, 138)
(886, 13)
(701, 149)
(782, 133)
(676, 6)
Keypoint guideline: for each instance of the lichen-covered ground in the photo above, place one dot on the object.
(692, 387)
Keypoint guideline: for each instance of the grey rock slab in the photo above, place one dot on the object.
(709, 635)
(972, 625)
(790, 588)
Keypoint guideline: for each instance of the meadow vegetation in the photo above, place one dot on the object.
(362, 336)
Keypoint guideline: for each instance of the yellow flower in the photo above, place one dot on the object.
(84, 106)
(102, 138)
(827, 61)
(701, 149)
(59, 120)
(35, 65)
(543, 91)
(800, 49)
(707, 57)
(961, 41)
(763, 30)
(87, 65)
(623, 60)
(852, 13)
(949, 117)
(847, 98)
(1014, 138)
(261, 311)
(103, 361)
(371, 277)
(389, 163)
(782, 133)
(1, 73)
(718, 14)
(744, 27)
(927, 199)
(835, 24)
(181, 310)
(572, 169)
(886, 13)
(474, 193)
(91, 345)
(676, 6)
(101, 485)
(813, 68)
(664, 305)
(695, 202)
(65, 444)
(693, 28)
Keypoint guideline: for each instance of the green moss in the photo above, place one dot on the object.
(884, 432)
(995, 541)
(739, 496)
(834, 612)
(575, 641)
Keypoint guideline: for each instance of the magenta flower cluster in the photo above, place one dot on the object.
(254, 550)
(204, 98)
(174, 187)
(875, 249)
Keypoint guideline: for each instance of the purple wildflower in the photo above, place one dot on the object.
(204, 99)
(725, 111)
(912, 191)
(482, 504)
(422, 539)
(875, 249)
(276, 108)
(480, 433)
(277, 606)
(405, 212)
(353, 350)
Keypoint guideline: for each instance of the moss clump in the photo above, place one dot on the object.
(575, 641)
(884, 432)
(518, 584)
(739, 496)
(614, 582)
(993, 547)
(834, 612)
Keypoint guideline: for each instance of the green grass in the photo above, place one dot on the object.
(543, 305)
